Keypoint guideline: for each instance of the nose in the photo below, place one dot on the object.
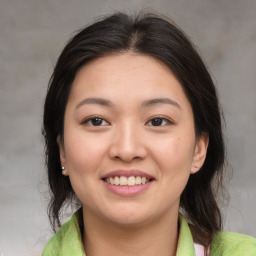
(128, 144)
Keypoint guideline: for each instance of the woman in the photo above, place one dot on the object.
(133, 135)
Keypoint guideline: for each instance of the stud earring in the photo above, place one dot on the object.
(64, 171)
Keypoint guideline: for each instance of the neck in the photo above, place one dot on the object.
(159, 237)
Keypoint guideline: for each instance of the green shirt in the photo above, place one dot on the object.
(67, 242)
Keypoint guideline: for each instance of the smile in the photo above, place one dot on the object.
(130, 182)
(127, 181)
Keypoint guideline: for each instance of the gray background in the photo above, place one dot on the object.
(33, 34)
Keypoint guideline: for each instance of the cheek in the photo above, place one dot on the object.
(173, 157)
(84, 157)
(174, 152)
(84, 153)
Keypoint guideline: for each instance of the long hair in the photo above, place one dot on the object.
(158, 37)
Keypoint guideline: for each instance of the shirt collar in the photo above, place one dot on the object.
(185, 242)
(71, 242)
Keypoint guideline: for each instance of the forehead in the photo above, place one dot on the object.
(126, 76)
(120, 66)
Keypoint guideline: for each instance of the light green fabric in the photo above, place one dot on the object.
(233, 244)
(185, 243)
(67, 242)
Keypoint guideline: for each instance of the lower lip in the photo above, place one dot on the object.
(128, 190)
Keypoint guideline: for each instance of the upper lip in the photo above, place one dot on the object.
(127, 173)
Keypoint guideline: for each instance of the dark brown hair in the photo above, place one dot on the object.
(154, 36)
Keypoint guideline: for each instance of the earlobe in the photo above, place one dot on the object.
(200, 152)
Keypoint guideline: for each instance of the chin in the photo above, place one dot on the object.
(126, 217)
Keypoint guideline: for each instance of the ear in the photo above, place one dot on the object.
(62, 155)
(200, 152)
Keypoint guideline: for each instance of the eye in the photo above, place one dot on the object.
(159, 121)
(95, 121)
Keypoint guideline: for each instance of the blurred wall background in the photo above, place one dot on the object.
(33, 32)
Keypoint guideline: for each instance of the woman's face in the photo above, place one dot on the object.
(128, 121)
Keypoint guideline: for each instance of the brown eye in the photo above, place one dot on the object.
(95, 121)
(159, 121)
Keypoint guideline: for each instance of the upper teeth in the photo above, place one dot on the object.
(124, 181)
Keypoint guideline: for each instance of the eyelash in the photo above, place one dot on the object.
(89, 121)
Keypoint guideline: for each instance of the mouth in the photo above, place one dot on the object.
(128, 178)
(127, 181)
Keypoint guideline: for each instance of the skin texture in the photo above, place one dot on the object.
(128, 138)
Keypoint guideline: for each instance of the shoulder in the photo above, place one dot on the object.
(67, 241)
(235, 244)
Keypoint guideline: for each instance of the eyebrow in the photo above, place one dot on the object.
(99, 101)
(151, 102)
(147, 103)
